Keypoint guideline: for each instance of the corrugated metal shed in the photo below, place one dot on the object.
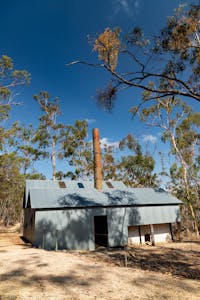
(67, 214)
(47, 194)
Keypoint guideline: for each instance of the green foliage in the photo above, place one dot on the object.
(8, 137)
(4, 93)
(35, 176)
(62, 141)
(12, 182)
(12, 186)
(181, 36)
(6, 64)
(49, 134)
(28, 148)
(136, 38)
(137, 171)
(109, 164)
(78, 151)
(10, 80)
(131, 144)
(189, 195)
(4, 112)
(180, 127)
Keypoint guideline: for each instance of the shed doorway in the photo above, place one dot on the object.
(101, 231)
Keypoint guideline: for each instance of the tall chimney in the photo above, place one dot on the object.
(97, 160)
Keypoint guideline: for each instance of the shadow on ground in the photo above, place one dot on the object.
(21, 278)
(178, 262)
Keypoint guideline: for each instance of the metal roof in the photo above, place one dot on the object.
(70, 184)
(47, 194)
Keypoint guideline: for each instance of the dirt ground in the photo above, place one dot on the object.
(170, 271)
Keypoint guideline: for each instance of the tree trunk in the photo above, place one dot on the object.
(185, 178)
(53, 158)
(188, 198)
(153, 243)
(194, 220)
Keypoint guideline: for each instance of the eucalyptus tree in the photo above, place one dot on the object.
(109, 162)
(164, 66)
(78, 151)
(179, 126)
(50, 133)
(136, 170)
(10, 80)
(12, 182)
(188, 143)
(12, 187)
(62, 141)
(28, 149)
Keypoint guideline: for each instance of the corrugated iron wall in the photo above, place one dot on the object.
(74, 228)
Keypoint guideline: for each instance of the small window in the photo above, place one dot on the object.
(80, 185)
(62, 184)
(109, 184)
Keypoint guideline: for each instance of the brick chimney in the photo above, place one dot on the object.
(97, 160)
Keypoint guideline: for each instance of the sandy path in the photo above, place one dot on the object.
(29, 273)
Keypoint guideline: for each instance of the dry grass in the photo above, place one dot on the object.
(169, 271)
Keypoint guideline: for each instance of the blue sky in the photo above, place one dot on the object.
(42, 36)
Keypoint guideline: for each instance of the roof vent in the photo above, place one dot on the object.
(80, 185)
(109, 184)
(62, 184)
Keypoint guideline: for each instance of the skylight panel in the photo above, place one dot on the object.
(62, 184)
(80, 185)
(109, 184)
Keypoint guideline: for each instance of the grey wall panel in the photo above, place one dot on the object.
(45, 226)
(70, 229)
(117, 226)
(78, 229)
(154, 215)
(74, 228)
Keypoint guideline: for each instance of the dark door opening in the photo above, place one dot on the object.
(101, 231)
(147, 238)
